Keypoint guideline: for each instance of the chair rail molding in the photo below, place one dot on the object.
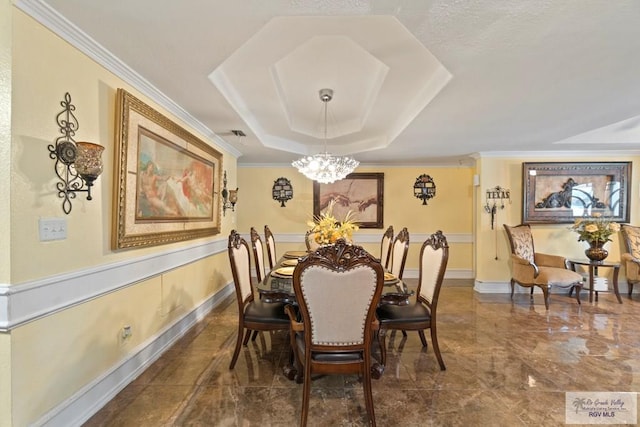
(24, 302)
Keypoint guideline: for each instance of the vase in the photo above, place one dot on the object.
(596, 252)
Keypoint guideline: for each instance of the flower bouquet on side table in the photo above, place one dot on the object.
(595, 230)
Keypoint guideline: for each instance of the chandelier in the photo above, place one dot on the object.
(325, 167)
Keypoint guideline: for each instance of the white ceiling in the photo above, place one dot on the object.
(415, 81)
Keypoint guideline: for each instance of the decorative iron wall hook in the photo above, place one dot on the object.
(78, 164)
(494, 199)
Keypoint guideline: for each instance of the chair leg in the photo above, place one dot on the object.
(545, 291)
(436, 347)
(422, 338)
(630, 285)
(255, 334)
(512, 288)
(246, 337)
(236, 352)
(404, 333)
(306, 390)
(368, 397)
(383, 346)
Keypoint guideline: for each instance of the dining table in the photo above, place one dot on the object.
(277, 286)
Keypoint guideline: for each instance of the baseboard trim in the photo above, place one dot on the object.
(505, 288)
(88, 400)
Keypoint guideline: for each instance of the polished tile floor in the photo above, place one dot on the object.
(509, 363)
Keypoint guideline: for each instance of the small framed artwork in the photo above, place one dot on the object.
(167, 181)
(560, 192)
(361, 193)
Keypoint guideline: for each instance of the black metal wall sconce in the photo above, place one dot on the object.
(282, 190)
(494, 199)
(229, 197)
(424, 188)
(78, 164)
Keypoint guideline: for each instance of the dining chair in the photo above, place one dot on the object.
(385, 247)
(531, 269)
(399, 251)
(337, 288)
(258, 254)
(421, 313)
(631, 258)
(253, 315)
(310, 242)
(271, 247)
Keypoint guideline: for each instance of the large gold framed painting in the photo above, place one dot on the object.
(167, 181)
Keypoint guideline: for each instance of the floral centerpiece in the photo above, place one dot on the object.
(328, 229)
(595, 230)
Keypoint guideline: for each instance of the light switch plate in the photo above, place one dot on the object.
(52, 229)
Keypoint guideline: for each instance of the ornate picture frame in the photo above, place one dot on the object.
(362, 193)
(560, 192)
(166, 180)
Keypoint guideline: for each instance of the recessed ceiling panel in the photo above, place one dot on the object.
(381, 75)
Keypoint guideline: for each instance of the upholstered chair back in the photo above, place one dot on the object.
(521, 240)
(240, 260)
(399, 253)
(434, 256)
(338, 288)
(385, 247)
(271, 247)
(632, 239)
(310, 241)
(258, 254)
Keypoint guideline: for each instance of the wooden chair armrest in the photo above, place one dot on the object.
(628, 257)
(293, 318)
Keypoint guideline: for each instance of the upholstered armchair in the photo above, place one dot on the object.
(631, 258)
(531, 269)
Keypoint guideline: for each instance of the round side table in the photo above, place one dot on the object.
(593, 272)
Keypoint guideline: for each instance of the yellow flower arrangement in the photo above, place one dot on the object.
(595, 229)
(327, 229)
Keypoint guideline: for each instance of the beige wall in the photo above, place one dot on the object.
(50, 358)
(449, 211)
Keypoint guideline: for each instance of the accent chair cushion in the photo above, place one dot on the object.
(557, 277)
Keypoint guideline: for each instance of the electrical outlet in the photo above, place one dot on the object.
(52, 229)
